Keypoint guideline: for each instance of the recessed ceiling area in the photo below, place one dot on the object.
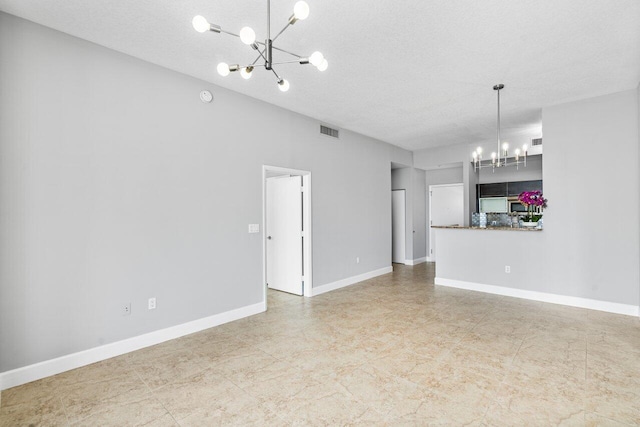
(416, 74)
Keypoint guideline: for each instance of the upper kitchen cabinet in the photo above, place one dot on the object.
(515, 188)
(508, 189)
(496, 189)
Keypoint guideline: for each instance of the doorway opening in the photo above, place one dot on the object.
(286, 240)
(398, 226)
(446, 207)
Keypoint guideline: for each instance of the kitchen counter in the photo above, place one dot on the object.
(459, 227)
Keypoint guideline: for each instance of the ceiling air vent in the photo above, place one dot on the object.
(536, 141)
(326, 130)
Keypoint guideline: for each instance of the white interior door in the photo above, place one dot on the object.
(284, 234)
(398, 227)
(446, 207)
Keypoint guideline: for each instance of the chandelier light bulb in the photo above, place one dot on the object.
(247, 35)
(200, 24)
(223, 69)
(301, 10)
(505, 146)
(323, 65)
(493, 156)
(479, 151)
(283, 85)
(475, 155)
(524, 148)
(316, 58)
(246, 72)
(517, 151)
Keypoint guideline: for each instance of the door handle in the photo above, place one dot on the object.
(269, 237)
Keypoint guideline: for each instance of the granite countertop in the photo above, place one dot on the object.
(459, 227)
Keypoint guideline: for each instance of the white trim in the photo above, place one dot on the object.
(55, 366)
(351, 280)
(308, 246)
(429, 259)
(415, 261)
(282, 170)
(306, 225)
(611, 307)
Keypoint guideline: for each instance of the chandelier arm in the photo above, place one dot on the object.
(230, 33)
(252, 65)
(276, 74)
(287, 62)
(256, 60)
(281, 31)
(261, 56)
(286, 51)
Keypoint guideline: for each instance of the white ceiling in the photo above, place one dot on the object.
(416, 74)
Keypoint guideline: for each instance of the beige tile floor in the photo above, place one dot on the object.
(394, 350)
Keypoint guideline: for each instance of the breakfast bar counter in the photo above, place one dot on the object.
(459, 227)
(493, 259)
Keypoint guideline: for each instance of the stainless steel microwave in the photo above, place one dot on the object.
(515, 206)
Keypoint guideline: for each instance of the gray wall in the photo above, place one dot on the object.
(592, 247)
(117, 184)
(443, 176)
(419, 215)
(533, 171)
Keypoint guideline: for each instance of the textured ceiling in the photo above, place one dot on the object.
(416, 74)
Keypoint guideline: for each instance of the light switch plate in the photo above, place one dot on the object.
(254, 228)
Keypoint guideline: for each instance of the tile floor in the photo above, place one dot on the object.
(394, 350)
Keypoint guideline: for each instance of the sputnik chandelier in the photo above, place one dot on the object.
(265, 50)
(499, 157)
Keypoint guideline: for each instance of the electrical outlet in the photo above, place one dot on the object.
(152, 303)
(126, 309)
(507, 269)
(357, 260)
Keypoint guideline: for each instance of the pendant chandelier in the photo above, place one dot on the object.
(499, 157)
(265, 50)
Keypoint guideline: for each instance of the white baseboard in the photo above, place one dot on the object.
(351, 280)
(429, 259)
(611, 307)
(415, 261)
(82, 358)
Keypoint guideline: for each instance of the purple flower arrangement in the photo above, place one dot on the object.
(532, 200)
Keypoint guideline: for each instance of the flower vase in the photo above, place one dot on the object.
(529, 224)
